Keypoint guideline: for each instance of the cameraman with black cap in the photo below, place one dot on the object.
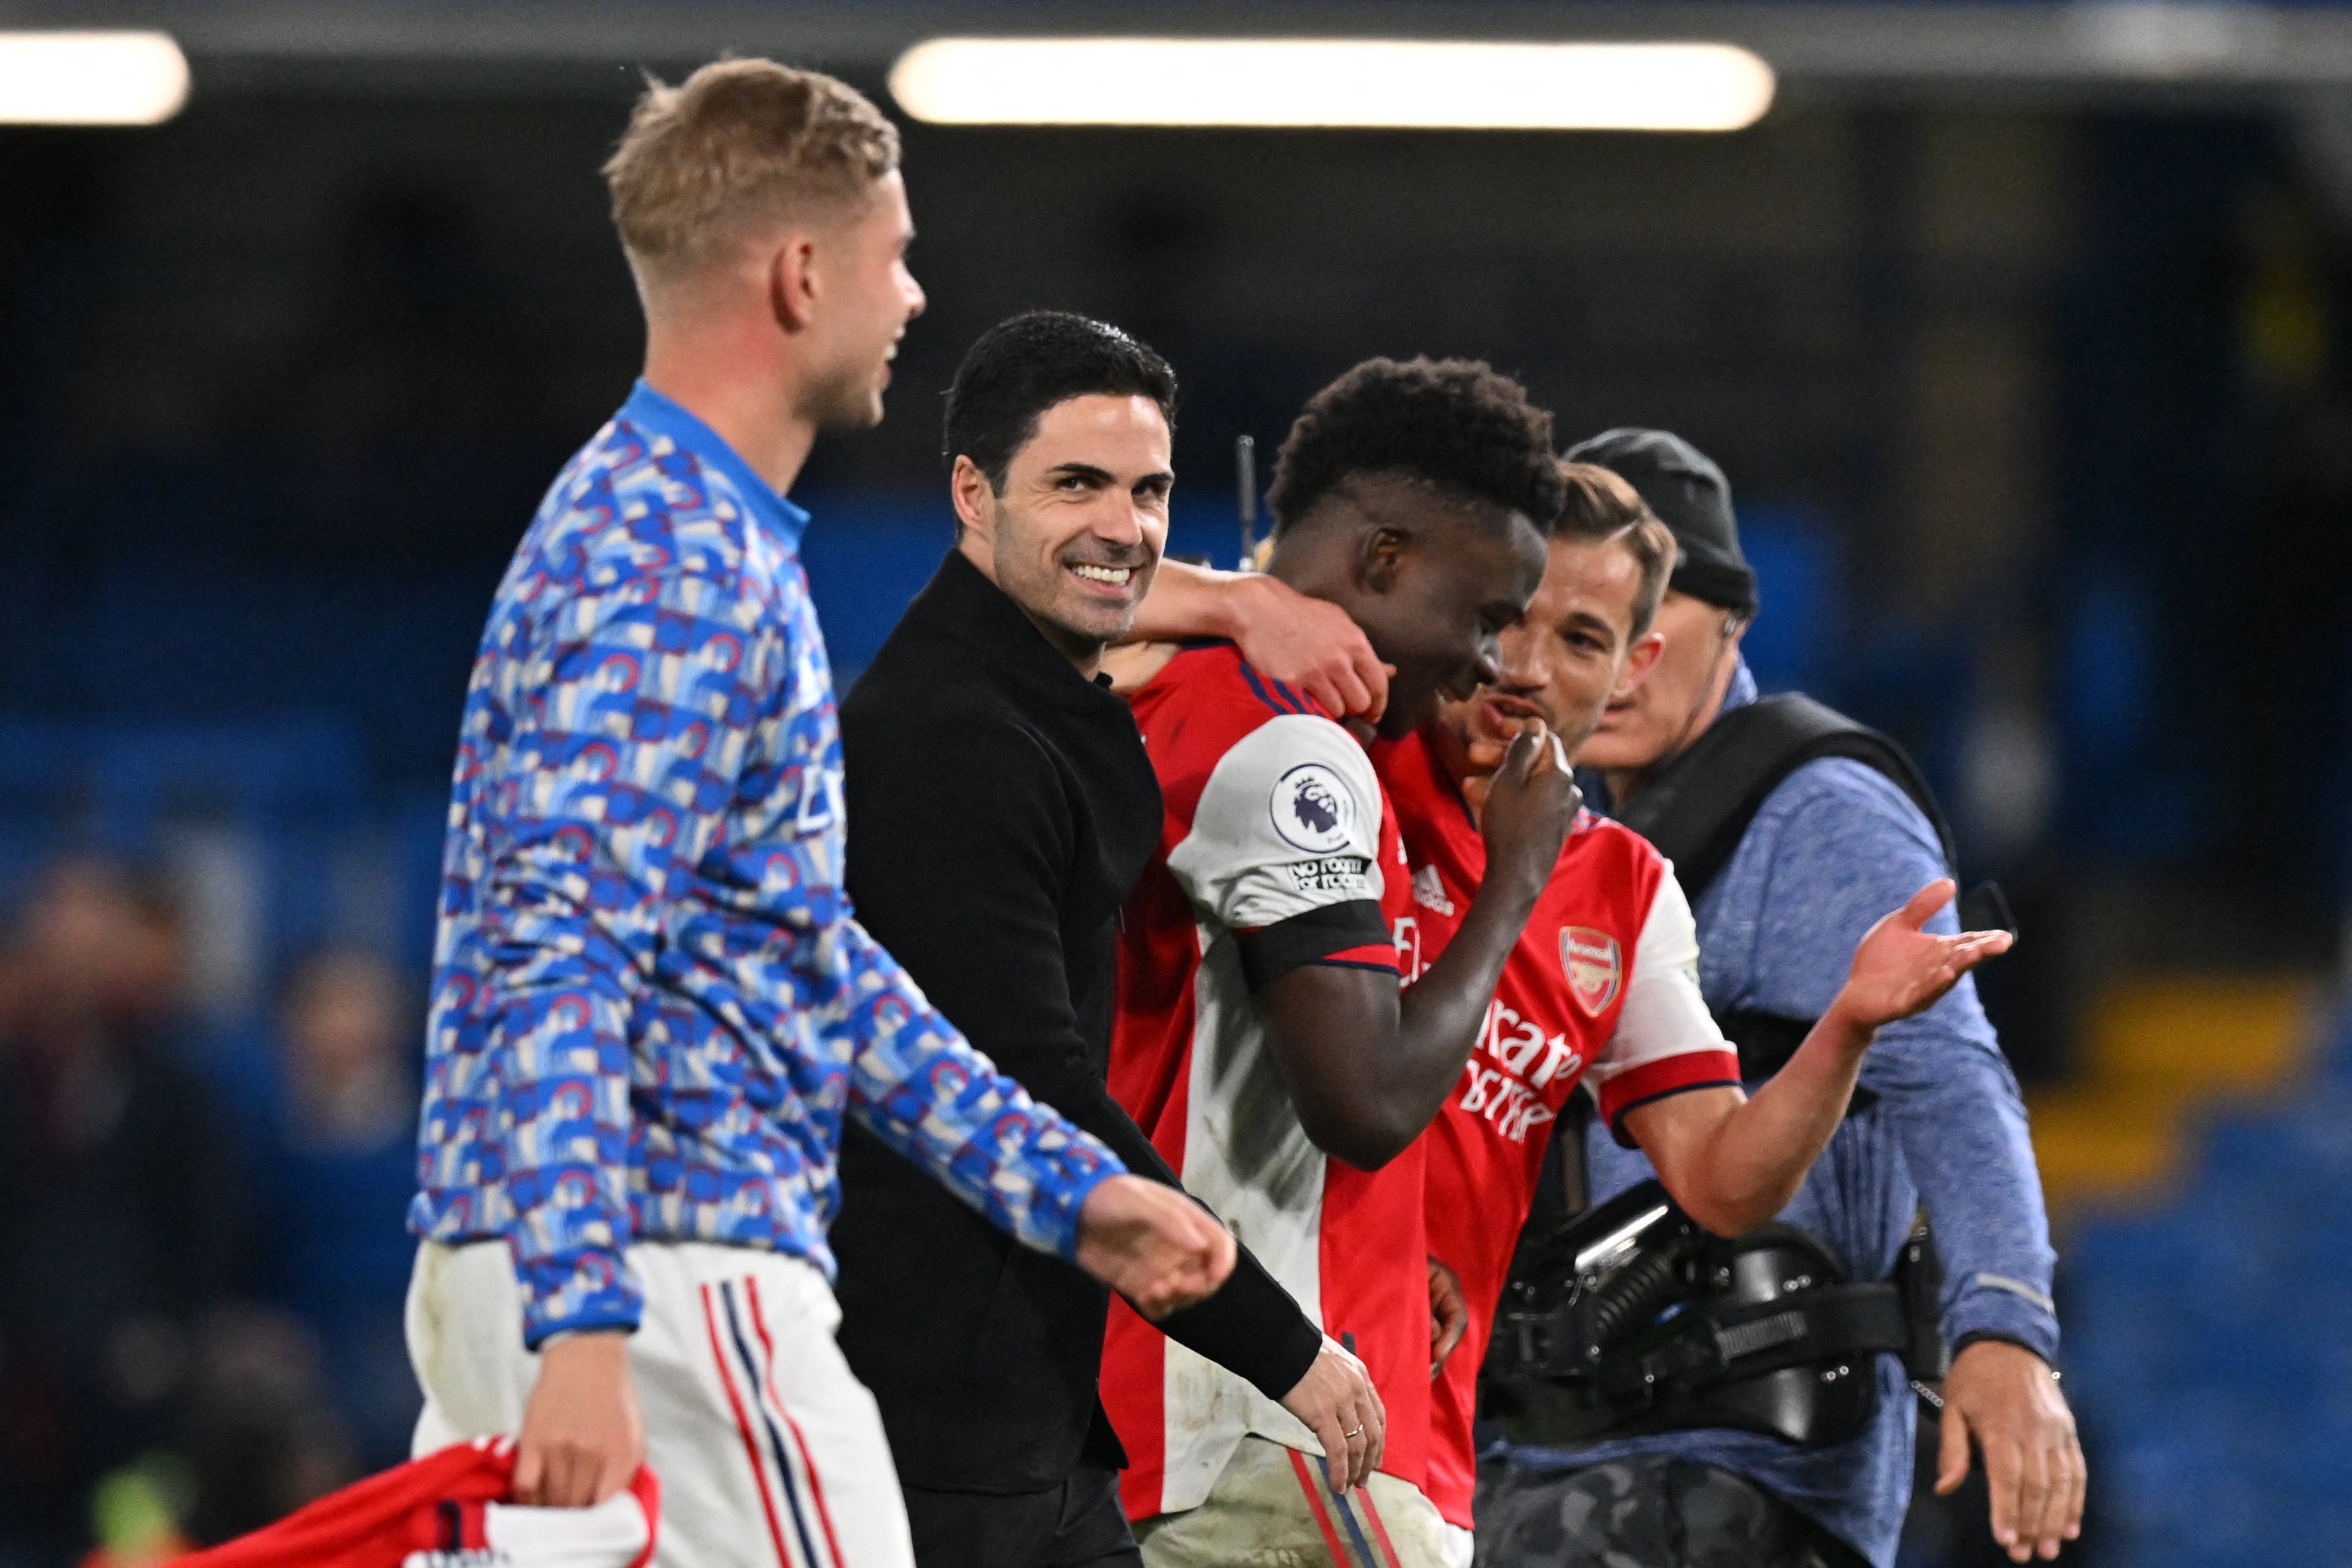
(1793, 829)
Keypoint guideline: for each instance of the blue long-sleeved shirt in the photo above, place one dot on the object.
(1835, 847)
(651, 1004)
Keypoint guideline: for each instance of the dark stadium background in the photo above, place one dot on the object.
(2020, 329)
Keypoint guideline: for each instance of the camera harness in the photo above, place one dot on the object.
(1629, 1318)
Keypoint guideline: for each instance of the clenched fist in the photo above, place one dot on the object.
(1152, 1245)
(1526, 806)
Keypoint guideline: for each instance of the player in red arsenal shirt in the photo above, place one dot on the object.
(1261, 1038)
(1601, 990)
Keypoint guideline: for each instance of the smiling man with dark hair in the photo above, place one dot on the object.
(1023, 367)
(1001, 894)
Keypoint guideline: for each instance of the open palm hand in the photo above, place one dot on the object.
(1900, 968)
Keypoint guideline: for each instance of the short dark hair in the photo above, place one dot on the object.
(1601, 506)
(1454, 423)
(1022, 367)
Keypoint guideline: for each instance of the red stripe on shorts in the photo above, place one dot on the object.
(808, 1460)
(1378, 1530)
(1314, 1501)
(743, 1427)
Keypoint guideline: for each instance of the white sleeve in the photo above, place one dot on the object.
(1666, 1041)
(1288, 822)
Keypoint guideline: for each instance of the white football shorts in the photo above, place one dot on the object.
(771, 1452)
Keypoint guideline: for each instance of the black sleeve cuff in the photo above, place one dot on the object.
(1351, 932)
(1251, 1328)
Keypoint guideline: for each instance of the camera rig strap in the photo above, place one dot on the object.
(1698, 806)
(1631, 1319)
(1696, 809)
(1726, 1361)
(1745, 1340)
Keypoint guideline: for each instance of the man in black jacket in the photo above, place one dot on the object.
(1001, 809)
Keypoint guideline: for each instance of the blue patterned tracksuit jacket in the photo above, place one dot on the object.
(651, 1007)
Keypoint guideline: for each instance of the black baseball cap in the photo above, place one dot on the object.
(1691, 496)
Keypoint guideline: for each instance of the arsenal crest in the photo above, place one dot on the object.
(1594, 967)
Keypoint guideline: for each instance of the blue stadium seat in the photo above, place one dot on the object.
(2207, 1351)
(1796, 637)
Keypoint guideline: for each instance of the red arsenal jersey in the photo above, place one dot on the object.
(1278, 850)
(1602, 990)
(448, 1509)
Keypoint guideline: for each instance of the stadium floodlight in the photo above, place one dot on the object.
(90, 79)
(1342, 82)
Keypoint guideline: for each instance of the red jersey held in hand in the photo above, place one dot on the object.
(1278, 850)
(448, 1509)
(1602, 990)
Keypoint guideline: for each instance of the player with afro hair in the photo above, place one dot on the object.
(1454, 423)
(1417, 495)
(1274, 940)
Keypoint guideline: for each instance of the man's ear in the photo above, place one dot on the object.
(792, 283)
(1380, 558)
(1640, 660)
(975, 505)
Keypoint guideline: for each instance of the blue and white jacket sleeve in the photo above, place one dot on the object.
(920, 1087)
(1941, 1078)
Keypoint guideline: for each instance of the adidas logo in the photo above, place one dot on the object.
(1430, 892)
